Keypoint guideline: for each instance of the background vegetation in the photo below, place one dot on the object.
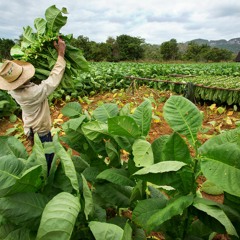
(129, 48)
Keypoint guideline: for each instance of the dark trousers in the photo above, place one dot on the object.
(49, 157)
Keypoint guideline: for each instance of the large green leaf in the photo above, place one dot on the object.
(40, 25)
(142, 152)
(146, 208)
(231, 136)
(211, 188)
(59, 217)
(123, 126)
(143, 117)
(19, 234)
(175, 148)
(77, 60)
(67, 164)
(30, 181)
(55, 19)
(198, 230)
(37, 156)
(161, 167)
(220, 165)
(157, 148)
(74, 123)
(183, 117)
(88, 199)
(72, 109)
(173, 208)
(117, 176)
(57, 179)
(105, 111)
(125, 110)
(16, 52)
(73, 138)
(5, 228)
(11, 145)
(28, 37)
(124, 142)
(23, 208)
(114, 194)
(127, 234)
(228, 153)
(162, 178)
(94, 130)
(106, 231)
(10, 171)
(214, 211)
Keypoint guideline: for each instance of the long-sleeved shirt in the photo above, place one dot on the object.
(33, 100)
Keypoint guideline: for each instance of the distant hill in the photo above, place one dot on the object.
(231, 45)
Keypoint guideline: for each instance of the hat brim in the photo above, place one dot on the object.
(27, 73)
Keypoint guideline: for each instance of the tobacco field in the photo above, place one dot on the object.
(113, 177)
(140, 163)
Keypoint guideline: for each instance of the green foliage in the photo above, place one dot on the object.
(189, 121)
(114, 169)
(207, 79)
(38, 49)
(59, 217)
(106, 231)
(176, 169)
(170, 50)
(203, 52)
(7, 105)
(5, 46)
(129, 47)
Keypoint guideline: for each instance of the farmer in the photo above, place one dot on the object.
(15, 77)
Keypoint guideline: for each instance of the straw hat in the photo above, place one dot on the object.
(15, 73)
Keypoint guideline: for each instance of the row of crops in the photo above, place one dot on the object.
(218, 82)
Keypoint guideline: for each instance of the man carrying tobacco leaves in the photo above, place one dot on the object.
(15, 77)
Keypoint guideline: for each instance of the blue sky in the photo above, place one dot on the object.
(155, 21)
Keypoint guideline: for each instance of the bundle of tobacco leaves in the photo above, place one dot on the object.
(37, 47)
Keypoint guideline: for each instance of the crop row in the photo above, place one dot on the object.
(105, 76)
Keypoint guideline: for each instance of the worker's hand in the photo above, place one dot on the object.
(60, 46)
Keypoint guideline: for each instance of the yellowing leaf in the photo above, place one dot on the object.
(158, 113)
(55, 121)
(221, 110)
(60, 116)
(132, 111)
(213, 123)
(125, 152)
(228, 120)
(230, 113)
(213, 106)
(218, 128)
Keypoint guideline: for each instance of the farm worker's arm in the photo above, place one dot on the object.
(46, 87)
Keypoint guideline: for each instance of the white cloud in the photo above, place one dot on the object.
(154, 20)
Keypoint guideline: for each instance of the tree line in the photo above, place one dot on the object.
(128, 48)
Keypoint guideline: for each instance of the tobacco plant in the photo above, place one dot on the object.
(110, 169)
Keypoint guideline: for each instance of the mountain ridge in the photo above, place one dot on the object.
(231, 45)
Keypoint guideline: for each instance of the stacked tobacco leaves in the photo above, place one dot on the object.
(38, 49)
